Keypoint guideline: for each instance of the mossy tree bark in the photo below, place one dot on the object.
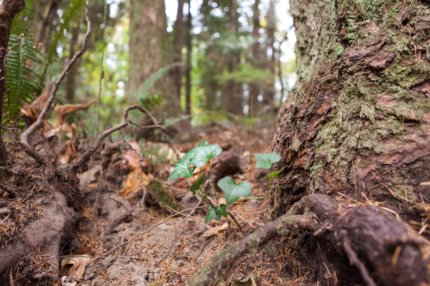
(358, 120)
(356, 126)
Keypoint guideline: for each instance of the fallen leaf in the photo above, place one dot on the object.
(136, 180)
(61, 111)
(215, 230)
(79, 263)
(68, 153)
(133, 156)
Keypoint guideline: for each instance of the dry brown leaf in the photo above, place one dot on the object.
(61, 111)
(133, 156)
(78, 263)
(31, 111)
(136, 180)
(215, 230)
(68, 153)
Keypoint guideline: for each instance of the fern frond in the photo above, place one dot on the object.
(23, 65)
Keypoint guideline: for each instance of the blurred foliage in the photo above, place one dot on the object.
(30, 67)
(23, 65)
(246, 73)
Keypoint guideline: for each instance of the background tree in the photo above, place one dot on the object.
(150, 50)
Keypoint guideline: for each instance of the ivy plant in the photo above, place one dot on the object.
(196, 165)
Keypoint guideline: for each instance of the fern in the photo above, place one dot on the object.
(23, 62)
(144, 91)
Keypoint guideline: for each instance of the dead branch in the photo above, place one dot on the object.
(79, 165)
(43, 115)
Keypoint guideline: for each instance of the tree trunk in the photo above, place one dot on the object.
(232, 95)
(178, 44)
(255, 88)
(357, 124)
(269, 91)
(45, 24)
(189, 46)
(150, 50)
(8, 11)
(73, 73)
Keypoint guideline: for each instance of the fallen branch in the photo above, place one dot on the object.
(45, 111)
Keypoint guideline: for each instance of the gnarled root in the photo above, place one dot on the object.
(383, 249)
(36, 255)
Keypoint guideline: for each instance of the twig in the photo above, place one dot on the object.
(9, 191)
(124, 123)
(133, 238)
(45, 111)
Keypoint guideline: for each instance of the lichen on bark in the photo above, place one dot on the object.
(360, 111)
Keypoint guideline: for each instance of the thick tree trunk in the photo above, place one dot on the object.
(8, 11)
(357, 124)
(150, 50)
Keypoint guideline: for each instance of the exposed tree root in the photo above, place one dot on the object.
(38, 250)
(383, 249)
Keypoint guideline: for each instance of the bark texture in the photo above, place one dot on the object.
(356, 127)
(358, 120)
(150, 50)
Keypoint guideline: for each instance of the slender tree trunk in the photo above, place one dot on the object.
(255, 88)
(269, 94)
(8, 11)
(189, 46)
(233, 94)
(178, 44)
(71, 76)
(50, 10)
(357, 124)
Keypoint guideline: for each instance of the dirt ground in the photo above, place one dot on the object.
(132, 242)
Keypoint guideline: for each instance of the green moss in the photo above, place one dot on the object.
(407, 74)
(163, 198)
(338, 50)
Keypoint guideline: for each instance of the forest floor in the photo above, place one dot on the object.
(129, 240)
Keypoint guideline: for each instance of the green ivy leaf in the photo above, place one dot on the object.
(197, 184)
(201, 155)
(216, 213)
(266, 160)
(233, 191)
(182, 169)
(212, 214)
(222, 210)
